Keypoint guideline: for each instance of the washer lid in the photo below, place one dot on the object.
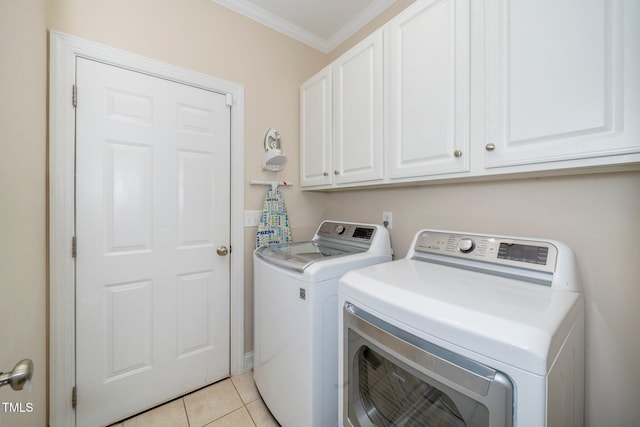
(512, 321)
(299, 256)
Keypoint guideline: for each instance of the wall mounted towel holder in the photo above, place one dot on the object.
(274, 184)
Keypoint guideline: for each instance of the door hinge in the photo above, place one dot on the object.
(74, 96)
(74, 397)
(74, 247)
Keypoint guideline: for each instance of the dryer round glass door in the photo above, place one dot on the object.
(394, 378)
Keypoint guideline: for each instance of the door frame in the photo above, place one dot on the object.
(63, 51)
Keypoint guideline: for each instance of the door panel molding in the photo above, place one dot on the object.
(64, 50)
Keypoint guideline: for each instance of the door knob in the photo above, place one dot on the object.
(222, 250)
(19, 376)
(490, 147)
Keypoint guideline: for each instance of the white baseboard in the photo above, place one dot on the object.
(248, 361)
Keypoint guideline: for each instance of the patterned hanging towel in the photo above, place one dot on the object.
(274, 225)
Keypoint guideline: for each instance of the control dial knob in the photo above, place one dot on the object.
(340, 229)
(466, 245)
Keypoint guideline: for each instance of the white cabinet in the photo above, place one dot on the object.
(562, 81)
(358, 113)
(341, 114)
(428, 82)
(315, 130)
(474, 89)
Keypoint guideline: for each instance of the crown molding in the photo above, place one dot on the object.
(359, 21)
(251, 11)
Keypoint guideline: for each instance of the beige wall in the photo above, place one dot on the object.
(195, 34)
(23, 310)
(597, 215)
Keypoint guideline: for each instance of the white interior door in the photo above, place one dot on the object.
(152, 206)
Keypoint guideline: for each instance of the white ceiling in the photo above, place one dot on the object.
(322, 24)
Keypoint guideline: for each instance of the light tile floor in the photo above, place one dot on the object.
(233, 402)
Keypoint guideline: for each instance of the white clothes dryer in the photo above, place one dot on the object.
(468, 330)
(296, 318)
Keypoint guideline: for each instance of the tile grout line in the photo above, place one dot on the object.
(243, 402)
(184, 406)
(186, 412)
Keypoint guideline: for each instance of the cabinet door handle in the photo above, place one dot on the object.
(336, 172)
(326, 174)
(490, 147)
(457, 153)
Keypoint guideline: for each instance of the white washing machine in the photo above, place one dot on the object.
(467, 330)
(296, 318)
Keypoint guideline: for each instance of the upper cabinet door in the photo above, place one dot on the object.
(562, 80)
(315, 130)
(358, 112)
(428, 81)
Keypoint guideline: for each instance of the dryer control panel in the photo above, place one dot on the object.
(530, 254)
